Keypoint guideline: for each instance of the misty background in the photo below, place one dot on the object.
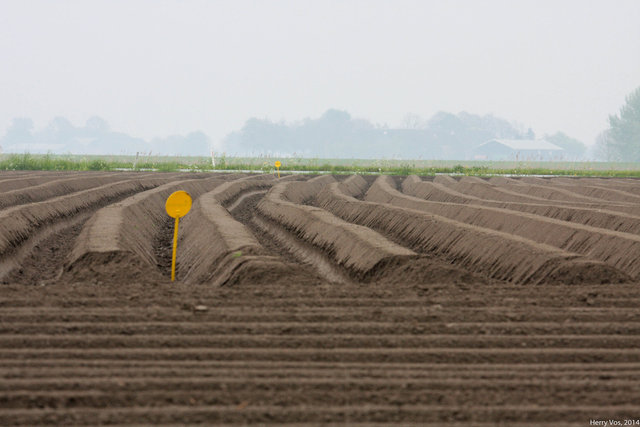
(335, 134)
(361, 79)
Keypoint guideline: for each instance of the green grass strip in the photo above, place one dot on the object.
(52, 162)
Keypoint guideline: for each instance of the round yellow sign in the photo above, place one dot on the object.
(278, 164)
(178, 204)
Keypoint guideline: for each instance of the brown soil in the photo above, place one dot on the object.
(312, 300)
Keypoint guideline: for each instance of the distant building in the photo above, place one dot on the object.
(518, 149)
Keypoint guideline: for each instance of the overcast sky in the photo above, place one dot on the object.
(154, 68)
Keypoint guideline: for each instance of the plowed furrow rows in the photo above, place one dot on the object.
(35, 238)
(127, 392)
(341, 242)
(396, 373)
(621, 300)
(329, 328)
(610, 194)
(337, 355)
(531, 193)
(16, 181)
(523, 315)
(234, 252)
(358, 301)
(318, 341)
(19, 221)
(128, 384)
(457, 242)
(59, 187)
(266, 366)
(620, 187)
(257, 413)
(319, 393)
(114, 247)
(447, 189)
(550, 190)
(591, 215)
(614, 248)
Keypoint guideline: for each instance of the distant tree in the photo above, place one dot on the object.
(60, 125)
(624, 129)
(602, 149)
(20, 131)
(193, 144)
(461, 133)
(572, 147)
(196, 143)
(412, 121)
(335, 116)
(97, 125)
(336, 134)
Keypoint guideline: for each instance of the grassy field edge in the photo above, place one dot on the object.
(265, 164)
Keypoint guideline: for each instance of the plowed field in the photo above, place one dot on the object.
(319, 300)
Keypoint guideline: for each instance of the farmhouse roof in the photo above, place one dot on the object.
(524, 144)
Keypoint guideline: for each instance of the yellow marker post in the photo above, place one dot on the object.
(278, 164)
(177, 206)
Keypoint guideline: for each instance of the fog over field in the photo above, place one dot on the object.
(404, 79)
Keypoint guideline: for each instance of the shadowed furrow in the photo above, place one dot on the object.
(59, 187)
(494, 254)
(114, 247)
(592, 216)
(617, 249)
(358, 250)
(17, 223)
(222, 251)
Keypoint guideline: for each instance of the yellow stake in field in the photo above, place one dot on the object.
(177, 206)
(278, 164)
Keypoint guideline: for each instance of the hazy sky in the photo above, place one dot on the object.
(153, 68)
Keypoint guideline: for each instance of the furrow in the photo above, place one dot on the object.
(536, 193)
(23, 227)
(114, 381)
(51, 373)
(344, 341)
(113, 247)
(16, 181)
(345, 367)
(389, 355)
(358, 250)
(493, 253)
(531, 193)
(248, 412)
(466, 299)
(319, 394)
(59, 187)
(617, 249)
(223, 251)
(591, 215)
(610, 193)
(529, 315)
(456, 301)
(617, 330)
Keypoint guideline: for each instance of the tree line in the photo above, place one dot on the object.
(95, 137)
(621, 142)
(338, 135)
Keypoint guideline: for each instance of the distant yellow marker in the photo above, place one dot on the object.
(278, 164)
(178, 205)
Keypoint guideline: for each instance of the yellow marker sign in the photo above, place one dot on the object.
(278, 164)
(178, 205)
